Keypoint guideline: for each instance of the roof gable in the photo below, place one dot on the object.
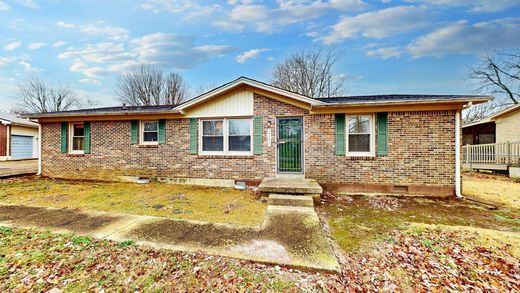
(244, 81)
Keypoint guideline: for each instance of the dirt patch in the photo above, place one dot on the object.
(189, 233)
(11, 212)
(50, 218)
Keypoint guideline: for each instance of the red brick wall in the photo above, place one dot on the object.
(421, 152)
(3, 140)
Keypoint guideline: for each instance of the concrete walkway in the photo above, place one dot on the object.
(289, 236)
(15, 168)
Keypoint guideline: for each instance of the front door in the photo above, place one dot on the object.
(290, 145)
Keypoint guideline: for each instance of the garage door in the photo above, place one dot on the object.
(21, 147)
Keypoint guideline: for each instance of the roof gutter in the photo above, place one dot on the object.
(403, 102)
(81, 114)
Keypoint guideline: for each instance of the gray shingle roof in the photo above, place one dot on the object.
(13, 118)
(393, 98)
(117, 109)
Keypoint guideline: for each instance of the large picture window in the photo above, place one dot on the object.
(149, 132)
(77, 138)
(360, 135)
(226, 136)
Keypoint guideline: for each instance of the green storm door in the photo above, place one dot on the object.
(290, 147)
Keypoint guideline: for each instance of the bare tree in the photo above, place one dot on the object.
(499, 73)
(481, 111)
(205, 87)
(38, 96)
(310, 73)
(86, 103)
(146, 85)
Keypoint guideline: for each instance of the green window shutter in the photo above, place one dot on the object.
(86, 140)
(340, 134)
(135, 132)
(64, 126)
(257, 135)
(382, 134)
(193, 135)
(162, 131)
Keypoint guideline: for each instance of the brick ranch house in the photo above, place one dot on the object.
(247, 130)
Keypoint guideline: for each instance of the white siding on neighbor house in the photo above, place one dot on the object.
(508, 128)
(27, 131)
(238, 103)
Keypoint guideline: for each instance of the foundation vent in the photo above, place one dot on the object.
(400, 188)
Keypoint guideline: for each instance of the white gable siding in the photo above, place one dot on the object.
(508, 128)
(234, 104)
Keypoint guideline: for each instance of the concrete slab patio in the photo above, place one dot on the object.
(289, 236)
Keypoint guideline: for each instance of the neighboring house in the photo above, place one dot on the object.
(500, 127)
(248, 130)
(18, 138)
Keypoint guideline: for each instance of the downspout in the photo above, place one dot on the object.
(39, 149)
(458, 192)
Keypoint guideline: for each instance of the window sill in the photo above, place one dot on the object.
(225, 157)
(76, 155)
(361, 158)
(147, 146)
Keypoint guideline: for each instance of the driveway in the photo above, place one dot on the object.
(13, 168)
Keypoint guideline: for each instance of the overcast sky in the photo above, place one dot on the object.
(387, 46)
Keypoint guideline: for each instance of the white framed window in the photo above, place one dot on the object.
(226, 136)
(76, 137)
(360, 135)
(149, 132)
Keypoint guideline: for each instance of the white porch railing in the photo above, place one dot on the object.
(507, 153)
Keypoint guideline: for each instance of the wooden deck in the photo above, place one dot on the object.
(491, 156)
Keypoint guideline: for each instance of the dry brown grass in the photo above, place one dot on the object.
(491, 188)
(221, 205)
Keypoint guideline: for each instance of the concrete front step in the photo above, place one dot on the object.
(290, 186)
(290, 200)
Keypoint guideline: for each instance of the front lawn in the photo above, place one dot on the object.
(416, 244)
(493, 188)
(221, 205)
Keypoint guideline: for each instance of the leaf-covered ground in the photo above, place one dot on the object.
(210, 204)
(417, 260)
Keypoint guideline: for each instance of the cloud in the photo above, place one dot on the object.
(35, 46)
(189, 9)
(165, 50)
(99, 28)
(250, 54)
(28, 66)
(385, 53)
(474, 5)
(28, 3)
(12, 45)
(378, 24)
(4, 6)
(250, 15)
(65, 24)
(463, 37)
(4, 60)
(89, 81)
(59, 44)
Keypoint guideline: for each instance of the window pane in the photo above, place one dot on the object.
(78, 130)
(240, 143)
(150, 136)
(213, 143)
(239, 126)
(150, 126)
(359, 124)
(212, 127)
(359, 143)
(77, 143)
